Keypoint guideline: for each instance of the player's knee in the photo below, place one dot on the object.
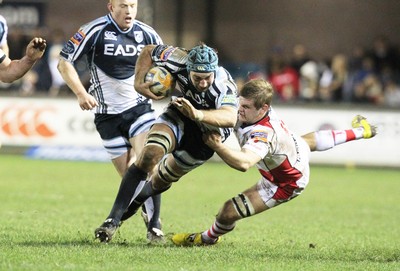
(149, 158)
(161, 140)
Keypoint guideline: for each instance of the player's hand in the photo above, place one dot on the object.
(144, 89)
(87, 101)
(212, 139)
(187, 109)
(36, 48)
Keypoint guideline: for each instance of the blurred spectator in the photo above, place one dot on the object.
(19, 40)
(384, 54)
(299, 57)
(359, 79)
(56, 43)
(334, 80)
(282, 76)
(356, 57)
(369, 90)
(373, 89)
(309, 77)
(392, 94)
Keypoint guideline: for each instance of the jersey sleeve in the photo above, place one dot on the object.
(153, 37)
(226, 87)
(172, 58)
(83, 40)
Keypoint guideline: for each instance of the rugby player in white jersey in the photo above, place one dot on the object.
(111, 45)
(11, 70)
(208, 102)
(281, 157)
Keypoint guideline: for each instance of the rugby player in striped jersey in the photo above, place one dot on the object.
(111, 45)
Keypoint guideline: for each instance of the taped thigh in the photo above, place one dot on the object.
(161, 139)
(165, 171)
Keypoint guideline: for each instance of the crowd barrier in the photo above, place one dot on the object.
(51, 128)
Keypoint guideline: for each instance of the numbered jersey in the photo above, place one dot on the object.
(284, 155)
(111, 55)
(223, 91)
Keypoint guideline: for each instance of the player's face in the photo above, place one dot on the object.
(202, 81)
(248, 113)
(123, 12)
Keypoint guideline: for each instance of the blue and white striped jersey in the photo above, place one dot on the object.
(3, 31)
(111, 55)
(223, 91)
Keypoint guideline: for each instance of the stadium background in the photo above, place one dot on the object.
(243, 31)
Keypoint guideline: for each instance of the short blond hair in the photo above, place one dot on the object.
(258, 90)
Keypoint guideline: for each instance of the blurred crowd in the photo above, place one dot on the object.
(368, 75)
(365, 76)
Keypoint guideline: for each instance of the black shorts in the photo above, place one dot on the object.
(116, 129)
(187, 133)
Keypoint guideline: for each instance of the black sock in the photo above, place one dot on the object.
(126, 191)
(146, 192)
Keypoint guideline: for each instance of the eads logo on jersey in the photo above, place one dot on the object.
(111, 49)
(26, 121)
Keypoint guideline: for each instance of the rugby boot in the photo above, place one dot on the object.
(106, 231)
(369, 130)
(191, 239)
(154, 233)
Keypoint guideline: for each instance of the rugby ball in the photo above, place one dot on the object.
(162, 82)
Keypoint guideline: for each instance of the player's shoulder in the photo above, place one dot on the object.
(174, 54)
(224, 80)
(145, 27)
(144, 31)
(95, 24)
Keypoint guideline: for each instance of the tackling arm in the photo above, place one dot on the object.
(241, 160)
(223, 117)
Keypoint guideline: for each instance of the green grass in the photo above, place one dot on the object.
(346, 219)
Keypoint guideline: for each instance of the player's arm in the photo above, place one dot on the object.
(71, 78)
(143, 65)
(223, 117)
(241, 160)
(12, 70)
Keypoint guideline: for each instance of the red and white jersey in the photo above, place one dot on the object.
(285, 156)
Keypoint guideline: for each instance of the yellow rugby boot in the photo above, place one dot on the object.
(191, 239)
(360, 121)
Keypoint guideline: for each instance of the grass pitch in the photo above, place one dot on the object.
(346, 219)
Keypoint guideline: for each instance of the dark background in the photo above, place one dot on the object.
(247, 31)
